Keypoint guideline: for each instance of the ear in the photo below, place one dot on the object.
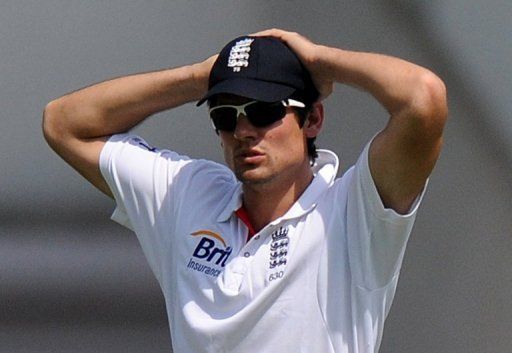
(315, 120)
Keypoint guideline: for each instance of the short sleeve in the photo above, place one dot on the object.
(143, 181)
(377, 236)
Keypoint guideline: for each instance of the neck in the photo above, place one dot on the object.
(267, 202)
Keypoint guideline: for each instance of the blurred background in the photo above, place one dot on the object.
(73, 281)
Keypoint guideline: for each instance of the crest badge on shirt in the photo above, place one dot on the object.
(278, 255)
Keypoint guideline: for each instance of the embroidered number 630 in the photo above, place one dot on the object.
(275, 276)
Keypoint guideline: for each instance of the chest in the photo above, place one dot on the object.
(216, 263)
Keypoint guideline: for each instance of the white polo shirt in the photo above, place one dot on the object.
(319, 279)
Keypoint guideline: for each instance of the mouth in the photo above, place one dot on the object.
(249, 156)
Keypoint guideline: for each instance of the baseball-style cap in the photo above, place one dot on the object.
(260, 68)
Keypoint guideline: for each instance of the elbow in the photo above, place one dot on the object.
(53, 123)
(48, 123)
(436, 95)
(429, 104)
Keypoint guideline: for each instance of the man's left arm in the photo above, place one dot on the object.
(404, 153)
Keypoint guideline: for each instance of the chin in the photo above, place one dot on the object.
(253, 177)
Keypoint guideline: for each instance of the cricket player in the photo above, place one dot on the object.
(270, 252)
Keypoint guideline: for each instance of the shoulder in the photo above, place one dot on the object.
(137, 153)
(128, 161)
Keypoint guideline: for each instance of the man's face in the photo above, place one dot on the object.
(262, 155)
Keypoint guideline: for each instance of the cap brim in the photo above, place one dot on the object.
(254, 89)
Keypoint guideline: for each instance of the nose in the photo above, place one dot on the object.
(244, 129)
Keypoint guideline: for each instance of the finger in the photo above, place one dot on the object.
(212, 58)
(274, 32)
(259, 34)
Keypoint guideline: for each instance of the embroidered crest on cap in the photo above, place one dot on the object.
(239, 54)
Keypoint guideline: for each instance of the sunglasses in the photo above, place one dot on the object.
(259, 114)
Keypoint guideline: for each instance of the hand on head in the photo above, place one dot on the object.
(308, 53)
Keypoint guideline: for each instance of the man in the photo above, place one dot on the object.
(272, 254)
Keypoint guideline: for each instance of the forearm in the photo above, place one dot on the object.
(117, 105)
(403, 88)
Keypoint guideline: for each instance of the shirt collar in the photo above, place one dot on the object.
(324, 169)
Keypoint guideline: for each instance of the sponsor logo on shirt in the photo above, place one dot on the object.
(210, 254)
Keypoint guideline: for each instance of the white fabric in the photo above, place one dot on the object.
(319, 279)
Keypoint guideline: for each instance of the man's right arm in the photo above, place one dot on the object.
(77, 125)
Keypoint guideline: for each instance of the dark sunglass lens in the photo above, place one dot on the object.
(263, 114)
(224, 119)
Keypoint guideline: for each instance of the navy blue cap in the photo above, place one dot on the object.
(260, 68)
